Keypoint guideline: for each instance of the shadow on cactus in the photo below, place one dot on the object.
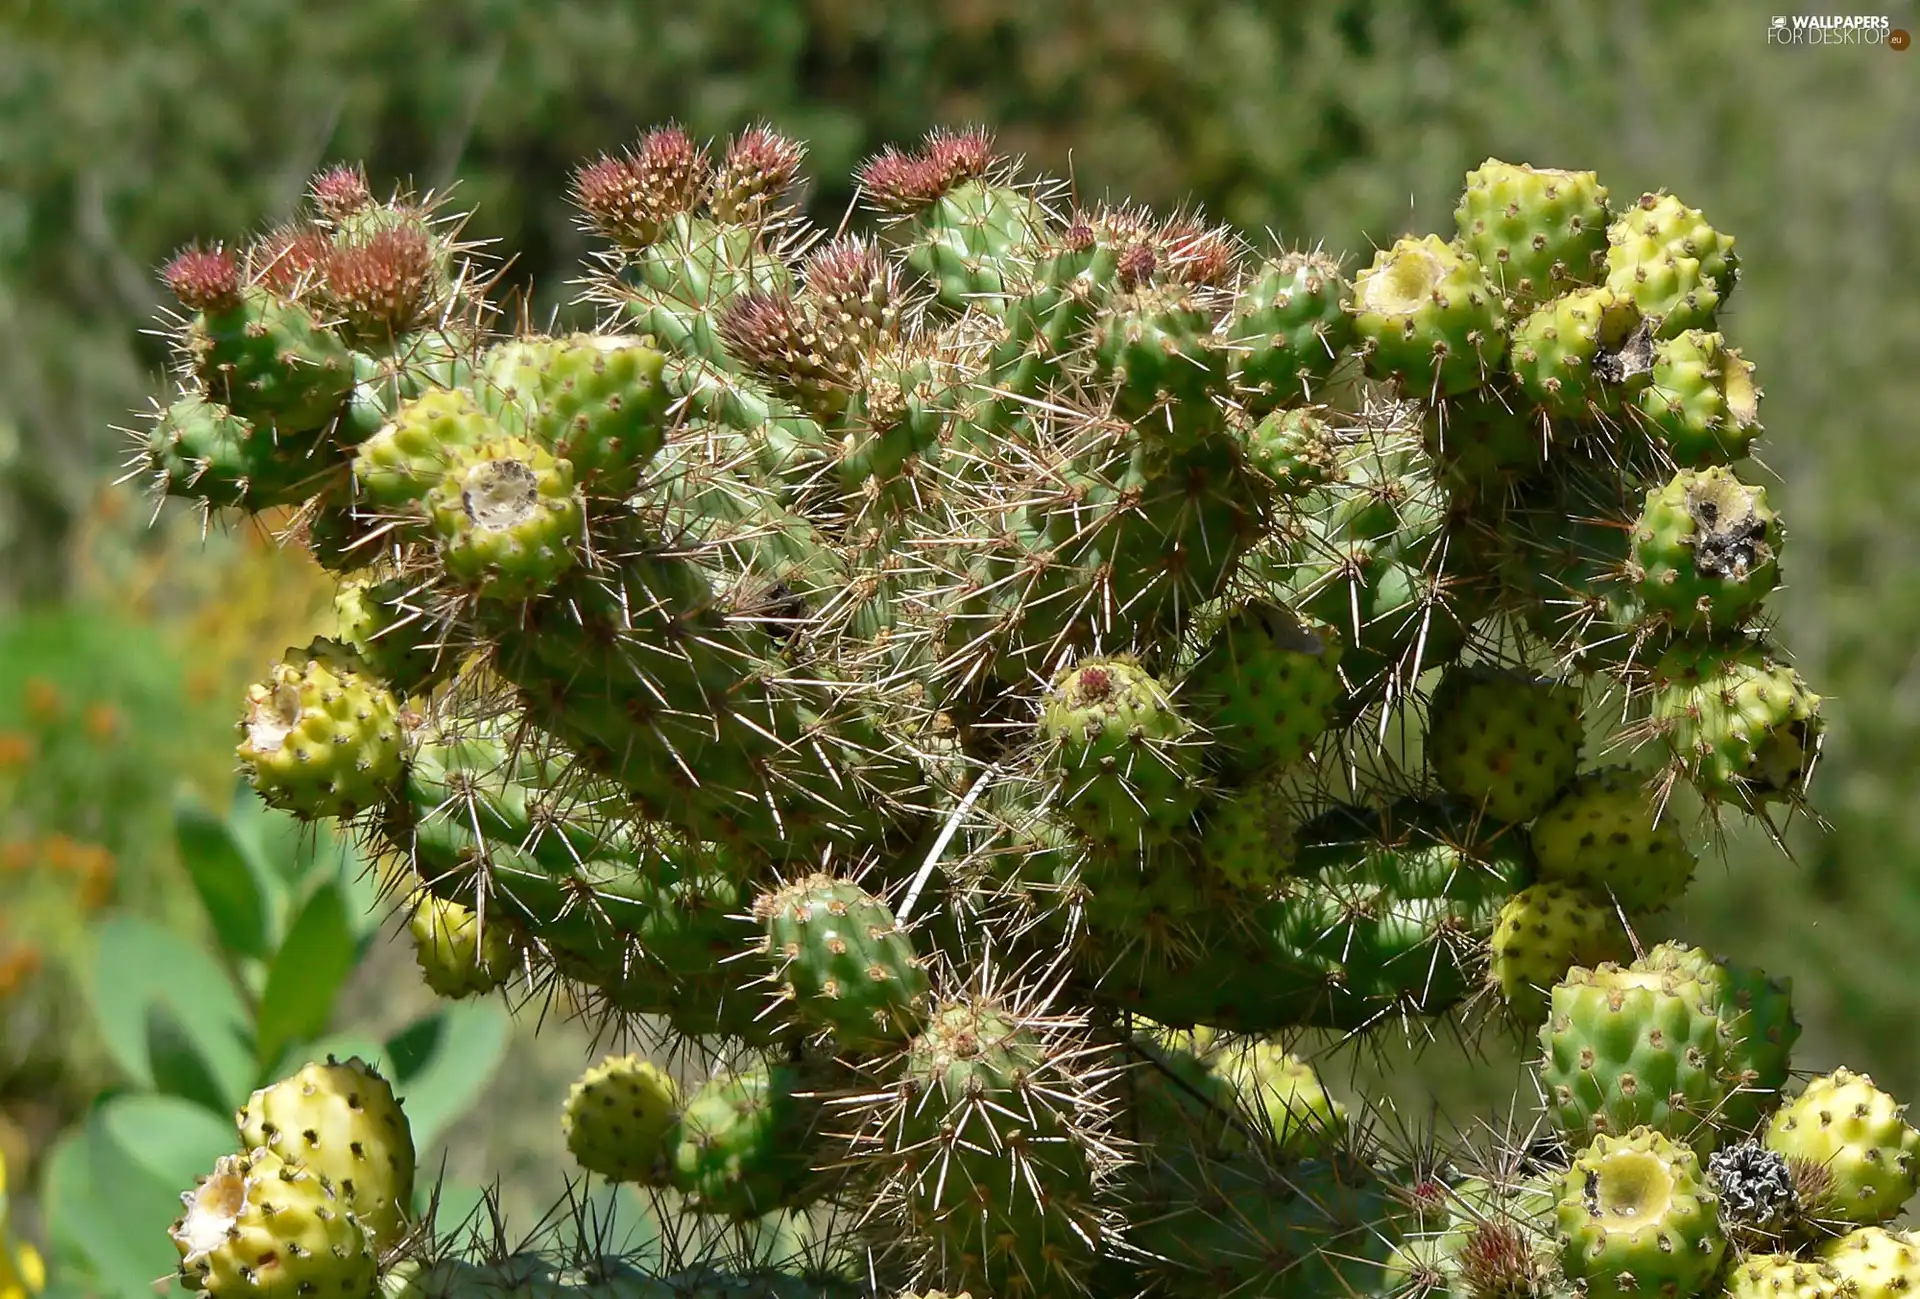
(978, 690)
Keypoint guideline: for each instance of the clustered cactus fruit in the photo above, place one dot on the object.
(989, 682)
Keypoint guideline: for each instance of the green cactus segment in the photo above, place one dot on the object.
(1566, 569)
(257, 1227)
(340, 1121)
(1606, 833)
(622, 1121)
(1707, 550)
(598, 402)
(1425, 314)
(399, 372)
(402, 463)
(1157, 344)
(678, 287)
(1701, 405)
(1636, 1217)
(1122, 750)
(1786, 1276)
(1264, 690)
(202, 450)
(507, 518)
(1294, 450)
(456, 957)
(1875, 1262)
(1628, 1047)
(1503, 740)
(843, 962)
(1676, 267)
(1289, 328)
(1245, 1226)
(1285, 1098)
(995, 1171)
(1537, 232)
(1741, 725)
(1383, 913)
(1375, 567)
(1485, 439)
(319, 737)
(748, 1142)
(1247, 838)
(973, 242)
(1580, 355)
(1858, 1136)
(392, 635)
(1544, 931)
(269, 360)
(1757, 1030)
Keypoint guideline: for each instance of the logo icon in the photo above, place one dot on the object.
(1779, 21)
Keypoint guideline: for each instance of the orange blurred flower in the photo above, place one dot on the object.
(43, 700)
(16, 750)
(17, 965)
(102, 721)
(18, 856)
(59, 852)
(97, 880)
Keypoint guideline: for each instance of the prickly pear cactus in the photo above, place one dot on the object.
(889, 666)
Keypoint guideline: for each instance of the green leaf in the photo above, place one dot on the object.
(140, 965)
(459, 1209)
(168, 1137)
(224, 875)
(442, 1064)
(307, 973)
(178, 1070)
(103, 1204)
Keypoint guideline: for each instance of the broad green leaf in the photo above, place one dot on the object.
(224, 876)
(168, 1137)
(459, 1208)
(178, 1070)
(442, 1064)
(307, 973)
(139, 965)
(104, 1205)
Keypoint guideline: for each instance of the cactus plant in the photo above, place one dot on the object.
(899, 664)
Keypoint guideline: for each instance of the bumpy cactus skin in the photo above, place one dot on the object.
(976, 688)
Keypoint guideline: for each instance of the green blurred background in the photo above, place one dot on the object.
(129, 127)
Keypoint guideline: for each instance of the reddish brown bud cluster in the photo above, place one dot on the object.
(288, 261)
(1497, 1262)
(850, 287)
(1137, 265)
(383, 284)
(905, 182)
(340, 191)
(629, 198)
(760, 164)
(1095, 684)
(774, 336)
(204, 279)
(1197, 253)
